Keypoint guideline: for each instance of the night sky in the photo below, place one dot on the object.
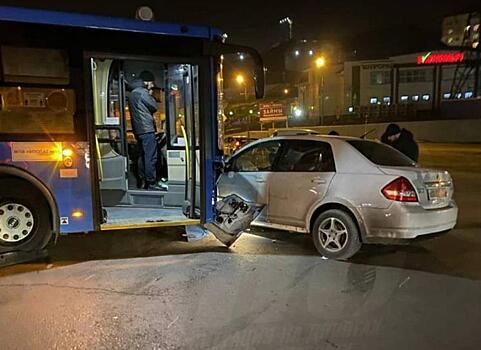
(382, 27)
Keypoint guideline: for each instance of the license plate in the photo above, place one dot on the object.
(438, 192)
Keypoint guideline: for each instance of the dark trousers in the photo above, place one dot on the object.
(147, 160)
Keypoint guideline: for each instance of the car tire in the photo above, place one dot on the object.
(25, 217)
(336, 235)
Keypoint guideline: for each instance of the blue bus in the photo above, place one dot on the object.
(68, 156)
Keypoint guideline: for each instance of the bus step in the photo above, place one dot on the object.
(156, 199)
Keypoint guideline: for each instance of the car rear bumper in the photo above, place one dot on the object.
(408, 221)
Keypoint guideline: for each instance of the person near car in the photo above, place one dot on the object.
(402, 140)
(142, 107)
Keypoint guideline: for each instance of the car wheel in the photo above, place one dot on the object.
(335, 235)
(25, 218)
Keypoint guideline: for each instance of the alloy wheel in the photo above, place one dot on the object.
(16, 222)
(333, 235)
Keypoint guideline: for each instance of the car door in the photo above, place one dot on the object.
(248, 173)
(301, 177)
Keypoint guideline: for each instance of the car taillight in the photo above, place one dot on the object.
(400, 190)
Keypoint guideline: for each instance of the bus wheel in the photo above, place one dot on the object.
(25, 218)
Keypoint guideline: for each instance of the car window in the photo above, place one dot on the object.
(381, 154)
(258, 158)
(306, 156)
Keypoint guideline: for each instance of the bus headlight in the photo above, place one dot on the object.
(67, 157)
(67, 152)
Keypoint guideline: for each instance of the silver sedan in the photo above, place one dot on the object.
(343, 191)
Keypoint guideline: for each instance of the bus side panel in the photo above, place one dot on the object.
(64, 168)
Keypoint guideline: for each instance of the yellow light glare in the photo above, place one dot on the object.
(320, 62)
(67, 152)
(240, 79)
(286, 91)
(57, 152)
(77, 214)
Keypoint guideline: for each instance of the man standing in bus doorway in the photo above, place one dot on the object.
(142, 107)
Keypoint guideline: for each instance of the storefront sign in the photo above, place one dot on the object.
(271, 112)
(440, 58)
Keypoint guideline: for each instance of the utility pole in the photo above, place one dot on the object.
(320, 63)
(321, 95)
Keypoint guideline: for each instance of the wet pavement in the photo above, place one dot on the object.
(152, 290)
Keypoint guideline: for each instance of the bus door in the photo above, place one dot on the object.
(110, 139)
(183, 152)
(188, 166)
(229, 217)
(127, 199)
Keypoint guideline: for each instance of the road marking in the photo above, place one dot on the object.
(171, 323)
(404, 282)
(89, 277)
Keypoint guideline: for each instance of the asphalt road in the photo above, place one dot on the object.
(152, 290)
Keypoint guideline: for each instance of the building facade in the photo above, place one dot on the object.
(413, 85)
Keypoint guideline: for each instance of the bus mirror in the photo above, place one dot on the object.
(217, 49)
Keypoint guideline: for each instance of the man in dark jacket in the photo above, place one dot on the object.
(142, 106)
(402, 140)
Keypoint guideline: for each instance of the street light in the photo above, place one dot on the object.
(289, 23)
(320, 63)
(298, 112)
(241, 81)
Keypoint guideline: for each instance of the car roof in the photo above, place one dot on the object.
(69, 19)
(294, 132)
(318, 137)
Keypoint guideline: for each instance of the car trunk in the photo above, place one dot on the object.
(434, 187)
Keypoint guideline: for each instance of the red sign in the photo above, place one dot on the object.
(439, 58)
(270, 112)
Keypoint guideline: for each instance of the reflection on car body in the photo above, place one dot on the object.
(294, 132)
(344, 191)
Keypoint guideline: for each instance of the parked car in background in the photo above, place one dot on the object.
(233, 143)
(343, 191)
